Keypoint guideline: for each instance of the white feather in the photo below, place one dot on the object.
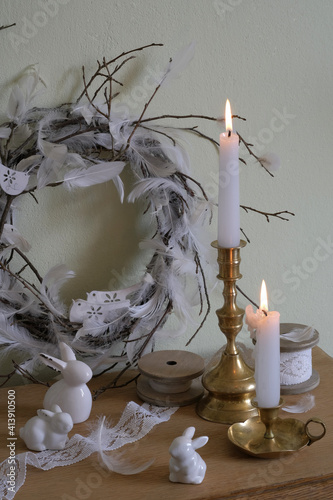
(104, 140)
(28, 163)
(56, 152)
(48, 173)
(146, 186)
(45, 125)
(149, 308)
(12, 291)
(137, 338)
(157, 166)
(20, 135)
(22, 95)
(181, 303)
(50, 287)
(16, 104)
(79, 142)
(119, 186)
(12, 236)
(178, 63)
(304, 404)
(112, 463)
(101, 172)
(299, 334)
(173, 153)
(5, 132)
(16, 337)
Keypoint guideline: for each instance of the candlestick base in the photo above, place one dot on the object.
(230, 387)
(268, 436)
(230, 384)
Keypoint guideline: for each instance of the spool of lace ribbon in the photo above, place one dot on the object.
(296, 372)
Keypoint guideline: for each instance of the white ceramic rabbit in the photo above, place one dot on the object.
(186, 465)
(48, 430)
(71, 392)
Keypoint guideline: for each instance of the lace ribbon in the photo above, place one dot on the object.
(295, 367)
(135, 422)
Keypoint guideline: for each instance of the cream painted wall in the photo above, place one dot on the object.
(273, 59)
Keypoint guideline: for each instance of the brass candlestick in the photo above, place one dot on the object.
(269, 436)
(230, 384)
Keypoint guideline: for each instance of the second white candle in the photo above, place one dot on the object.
(267, 353)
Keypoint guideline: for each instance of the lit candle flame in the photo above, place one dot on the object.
(228, 116)
(263, 297)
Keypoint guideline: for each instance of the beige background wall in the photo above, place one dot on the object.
(272, 59)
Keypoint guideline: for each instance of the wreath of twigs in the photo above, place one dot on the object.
(78, 145)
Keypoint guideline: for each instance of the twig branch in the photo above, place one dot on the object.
(250, 300)
(248, 147)
(7, 26)
(25, 374)
(278, 215)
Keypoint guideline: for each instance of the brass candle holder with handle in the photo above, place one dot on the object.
(269, 436)
(230, 385)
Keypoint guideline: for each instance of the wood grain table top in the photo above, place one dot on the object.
(230, 472)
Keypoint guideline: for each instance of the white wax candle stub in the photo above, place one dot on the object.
(267, 355)
(228, 205)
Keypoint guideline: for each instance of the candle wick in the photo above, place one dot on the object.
(229, 133)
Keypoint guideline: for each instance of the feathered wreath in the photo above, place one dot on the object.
(79, 145)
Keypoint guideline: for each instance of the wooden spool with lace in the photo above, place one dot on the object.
(170, 378)
(296, 373)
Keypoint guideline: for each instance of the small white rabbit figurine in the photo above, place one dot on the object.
(48, 430)
(186, 465)
(71, 392)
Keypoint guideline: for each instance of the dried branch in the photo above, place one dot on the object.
(248, 147)
(114, 383)
(207, 298)
(29, 263)
(32, 290)
(25, 374)
(96, 74)
(202, 117)
(6, 210)
(269, 214)
(7, 26)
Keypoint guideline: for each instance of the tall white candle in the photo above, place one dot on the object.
(267, 351)
(228, 209)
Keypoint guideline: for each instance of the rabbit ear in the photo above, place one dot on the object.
(52, 362)
(67, 354)
(189, 432)
(45, 414)
(199, 442)
(56, 408)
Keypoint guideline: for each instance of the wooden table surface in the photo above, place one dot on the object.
(230, 473)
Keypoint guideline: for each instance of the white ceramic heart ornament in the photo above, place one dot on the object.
(71, 392)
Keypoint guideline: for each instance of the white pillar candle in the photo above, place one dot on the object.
(228, 208)
(267, 351)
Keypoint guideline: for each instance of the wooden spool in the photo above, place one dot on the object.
(170, 378)
(295, 347)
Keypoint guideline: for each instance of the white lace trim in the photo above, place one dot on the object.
(135, 422)
(295, 367)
